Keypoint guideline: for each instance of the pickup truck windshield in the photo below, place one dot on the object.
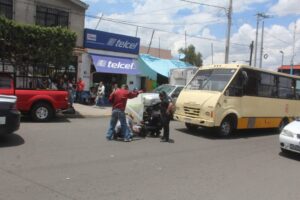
(5, 82)
(211, 79)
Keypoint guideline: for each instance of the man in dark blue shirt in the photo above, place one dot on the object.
(166, 112)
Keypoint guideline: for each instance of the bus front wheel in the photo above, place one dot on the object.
(226, 127)
(191, 127)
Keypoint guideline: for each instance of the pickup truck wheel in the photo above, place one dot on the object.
(42, 112)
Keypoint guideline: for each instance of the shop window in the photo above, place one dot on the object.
(51, 17)
(6, 8)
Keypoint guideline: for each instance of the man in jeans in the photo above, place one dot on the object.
(119, 99)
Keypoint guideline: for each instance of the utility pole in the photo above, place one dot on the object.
(262, 44)
(256, 36)
(251, 52)
(212, 53)
(229, 13)
(150, 41)
(99, 21)
(294, 43)
(260, 16)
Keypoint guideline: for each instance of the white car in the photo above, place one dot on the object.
(289, 137)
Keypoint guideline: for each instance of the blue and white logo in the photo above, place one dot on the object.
(101, 63)
(111, 42)
(110, 64)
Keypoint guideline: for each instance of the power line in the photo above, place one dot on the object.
(161, 30)
(204, 4)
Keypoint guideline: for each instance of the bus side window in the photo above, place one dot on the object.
(297, 89)
(250, 89)
(285, 88)
(236, 86)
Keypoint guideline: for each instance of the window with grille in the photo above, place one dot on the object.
(6, 8)
(51, 17)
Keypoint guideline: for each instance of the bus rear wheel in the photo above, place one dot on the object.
(226, 127)
(191, 127)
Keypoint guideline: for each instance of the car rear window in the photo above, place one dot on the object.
(5, 82)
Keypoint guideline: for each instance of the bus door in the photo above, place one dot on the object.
(231, 101)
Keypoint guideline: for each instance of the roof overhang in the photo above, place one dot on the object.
(80, 3)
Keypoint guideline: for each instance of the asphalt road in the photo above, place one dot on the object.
(69, 159)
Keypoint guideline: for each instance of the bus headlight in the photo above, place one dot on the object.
(209, 114)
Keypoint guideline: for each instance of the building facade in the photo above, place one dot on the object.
(66, 13)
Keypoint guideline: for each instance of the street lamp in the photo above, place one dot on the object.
(282, 56)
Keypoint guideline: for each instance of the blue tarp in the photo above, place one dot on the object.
(158, 65)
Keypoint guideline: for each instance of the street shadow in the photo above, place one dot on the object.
(290, 155)
(211, 133)
(59, 118)
(11, 140)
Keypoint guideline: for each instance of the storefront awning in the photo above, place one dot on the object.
(115, 65)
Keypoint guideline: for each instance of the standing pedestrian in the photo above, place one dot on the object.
(166, 108)
(100, 95)
(79, 90)
(71, 93)
(114, 87)
(119, 99)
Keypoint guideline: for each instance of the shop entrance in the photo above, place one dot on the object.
(109, 80)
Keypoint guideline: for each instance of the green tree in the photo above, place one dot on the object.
(30, 45)
(191, 56)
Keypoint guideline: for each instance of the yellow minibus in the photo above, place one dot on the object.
(232, 96)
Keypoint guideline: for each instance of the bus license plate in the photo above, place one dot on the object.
(2, 120)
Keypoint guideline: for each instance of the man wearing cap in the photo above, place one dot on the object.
(118, 98)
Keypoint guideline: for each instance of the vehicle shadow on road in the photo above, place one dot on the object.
(11, 140)
(290, 155)
(239, 134)
(57, 119)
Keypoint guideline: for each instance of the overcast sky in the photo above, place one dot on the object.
(172, 18)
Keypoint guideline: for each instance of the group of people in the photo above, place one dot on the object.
(119, 98)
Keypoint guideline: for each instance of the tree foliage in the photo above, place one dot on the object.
(30, 45)
(191, 56)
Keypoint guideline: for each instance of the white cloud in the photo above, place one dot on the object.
(276, 37)
(286, 7)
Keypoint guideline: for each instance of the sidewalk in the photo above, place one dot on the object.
(88, 111)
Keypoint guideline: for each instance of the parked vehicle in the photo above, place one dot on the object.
(9, 115)
(289, 137)
(40, 104)
(145, 106)
(182, 76)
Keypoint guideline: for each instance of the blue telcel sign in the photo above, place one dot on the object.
(116, 65)
(111, 42)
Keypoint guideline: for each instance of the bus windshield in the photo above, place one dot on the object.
(211, 79)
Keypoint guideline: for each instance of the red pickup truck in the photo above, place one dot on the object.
(41, 104)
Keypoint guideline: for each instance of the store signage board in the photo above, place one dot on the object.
(116, 65)
(111, 42)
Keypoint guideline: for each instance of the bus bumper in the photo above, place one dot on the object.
(196, 121)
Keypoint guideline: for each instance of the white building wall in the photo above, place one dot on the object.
(133, 81)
